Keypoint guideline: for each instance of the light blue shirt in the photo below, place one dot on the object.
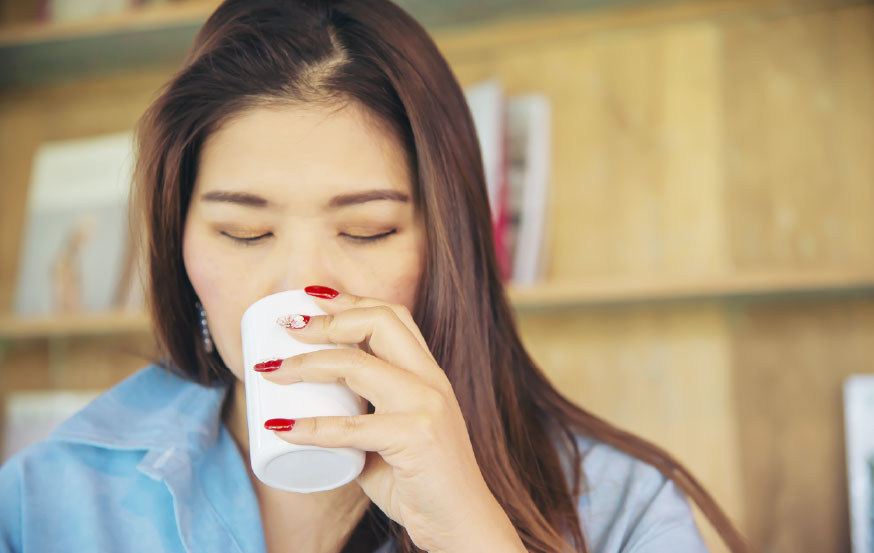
(147, 466)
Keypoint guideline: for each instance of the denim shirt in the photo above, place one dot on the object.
(148, 466)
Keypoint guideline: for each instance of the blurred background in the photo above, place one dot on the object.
(693, 183)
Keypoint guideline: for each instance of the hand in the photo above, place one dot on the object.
(420, 468)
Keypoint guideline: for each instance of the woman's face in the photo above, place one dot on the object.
(288, 197)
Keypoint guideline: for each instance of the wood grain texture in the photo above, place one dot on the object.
(790, 361)
(799, 101)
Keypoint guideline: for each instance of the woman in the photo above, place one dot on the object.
(327, 146)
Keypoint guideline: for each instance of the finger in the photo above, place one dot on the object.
(383, 433)
(333, 302)
(381, 331)
(387, 387)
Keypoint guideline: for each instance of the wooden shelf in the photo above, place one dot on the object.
(159, 35)
(161, 16)
(623, 290)
(46, 53)
(13, 327)
(577, 294)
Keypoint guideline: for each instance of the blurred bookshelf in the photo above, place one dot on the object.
(570, 294)
(41, 53)
(154, 35)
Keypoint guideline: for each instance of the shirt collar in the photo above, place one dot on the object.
(153, 409)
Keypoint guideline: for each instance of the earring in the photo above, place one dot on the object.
(204, 330)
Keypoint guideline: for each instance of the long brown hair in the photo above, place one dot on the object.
(255, 52)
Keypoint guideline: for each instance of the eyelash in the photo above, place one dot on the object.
(362, 239)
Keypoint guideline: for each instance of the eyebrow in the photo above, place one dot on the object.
(239, 198)
(368, 196)
(343, 200)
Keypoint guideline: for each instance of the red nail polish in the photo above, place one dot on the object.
(293, 321)
(321, 292)
(267, 366)
(283, 425)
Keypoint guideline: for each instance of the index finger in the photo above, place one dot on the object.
(333, 301)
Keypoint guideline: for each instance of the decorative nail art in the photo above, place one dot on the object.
(283, 425)
(321, 292)
(293, 321)
(267, 366)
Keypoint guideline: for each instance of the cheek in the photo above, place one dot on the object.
(200, 267)
(400, 276)
(214, 284)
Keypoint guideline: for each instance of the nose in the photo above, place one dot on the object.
(300, 264)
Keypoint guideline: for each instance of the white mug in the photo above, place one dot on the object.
(277, 463)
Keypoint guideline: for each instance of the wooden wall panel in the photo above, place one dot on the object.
(799, 102)
(664, 373)
(790, 361)
(637, 147)
(853, 124)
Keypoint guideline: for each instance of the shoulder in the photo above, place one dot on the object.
(145, 410)
(94, 463)
(151, 409)
(627, 505)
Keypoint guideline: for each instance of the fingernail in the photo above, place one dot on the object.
(293, 321)
(283, 425)
(267, 366)
(321, 292)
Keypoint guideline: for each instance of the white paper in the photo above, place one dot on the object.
(859, 415)
(76, 234)
(486, 103)
(530, 153)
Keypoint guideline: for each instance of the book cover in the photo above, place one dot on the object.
(488, 108)
(859, 423)
(530, 158)
(76, 237)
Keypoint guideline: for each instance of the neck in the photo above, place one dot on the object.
(338, 510)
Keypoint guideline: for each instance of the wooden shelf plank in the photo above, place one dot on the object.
(55, 52)
(44, 53)
(161, 16)
(14, 327)
(580, 293)
(625, 290)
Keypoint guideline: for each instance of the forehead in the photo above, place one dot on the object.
(294, 153)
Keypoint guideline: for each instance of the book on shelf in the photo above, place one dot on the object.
(488, 108)
(84, 10)
(859, 427)
(76, 256)
(530, 153)
(514, 134)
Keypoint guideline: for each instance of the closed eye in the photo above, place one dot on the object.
(369, 239)
(245, 240)
(249, 240)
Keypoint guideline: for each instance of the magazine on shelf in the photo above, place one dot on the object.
(859, 423)
(515, 139)
(489, 111)
(530, 153)
(81, 10)
(76, 254)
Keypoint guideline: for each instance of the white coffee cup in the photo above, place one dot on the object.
(277, 463)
